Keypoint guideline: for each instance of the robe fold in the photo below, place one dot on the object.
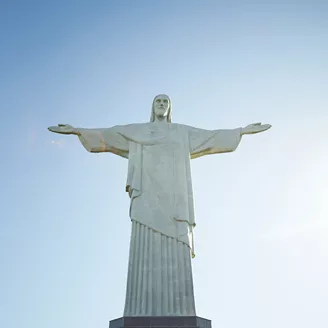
(161, 207)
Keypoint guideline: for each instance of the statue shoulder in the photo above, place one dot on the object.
(183, 127)
(130, 127)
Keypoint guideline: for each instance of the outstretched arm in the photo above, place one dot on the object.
(205, 142)
(98, 140)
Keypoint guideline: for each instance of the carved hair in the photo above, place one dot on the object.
(169, 114)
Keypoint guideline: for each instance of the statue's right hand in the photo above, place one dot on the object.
(63, 129)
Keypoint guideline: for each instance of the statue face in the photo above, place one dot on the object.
(161, 106)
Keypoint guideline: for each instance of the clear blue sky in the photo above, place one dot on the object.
(262, 211)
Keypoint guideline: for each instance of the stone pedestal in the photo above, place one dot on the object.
(160, 322)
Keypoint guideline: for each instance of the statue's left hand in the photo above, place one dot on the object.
(255, 128)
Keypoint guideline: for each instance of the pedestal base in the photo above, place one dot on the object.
(162, 322)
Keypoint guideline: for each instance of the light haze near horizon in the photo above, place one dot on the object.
(262, 212)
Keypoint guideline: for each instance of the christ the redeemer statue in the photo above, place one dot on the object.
(161, 208)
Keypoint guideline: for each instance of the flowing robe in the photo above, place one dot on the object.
(161, 208)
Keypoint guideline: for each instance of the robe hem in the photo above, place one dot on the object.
(164, 234)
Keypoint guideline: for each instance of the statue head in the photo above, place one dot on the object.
(161, 109)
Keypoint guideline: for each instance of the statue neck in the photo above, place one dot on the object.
(161, 120)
